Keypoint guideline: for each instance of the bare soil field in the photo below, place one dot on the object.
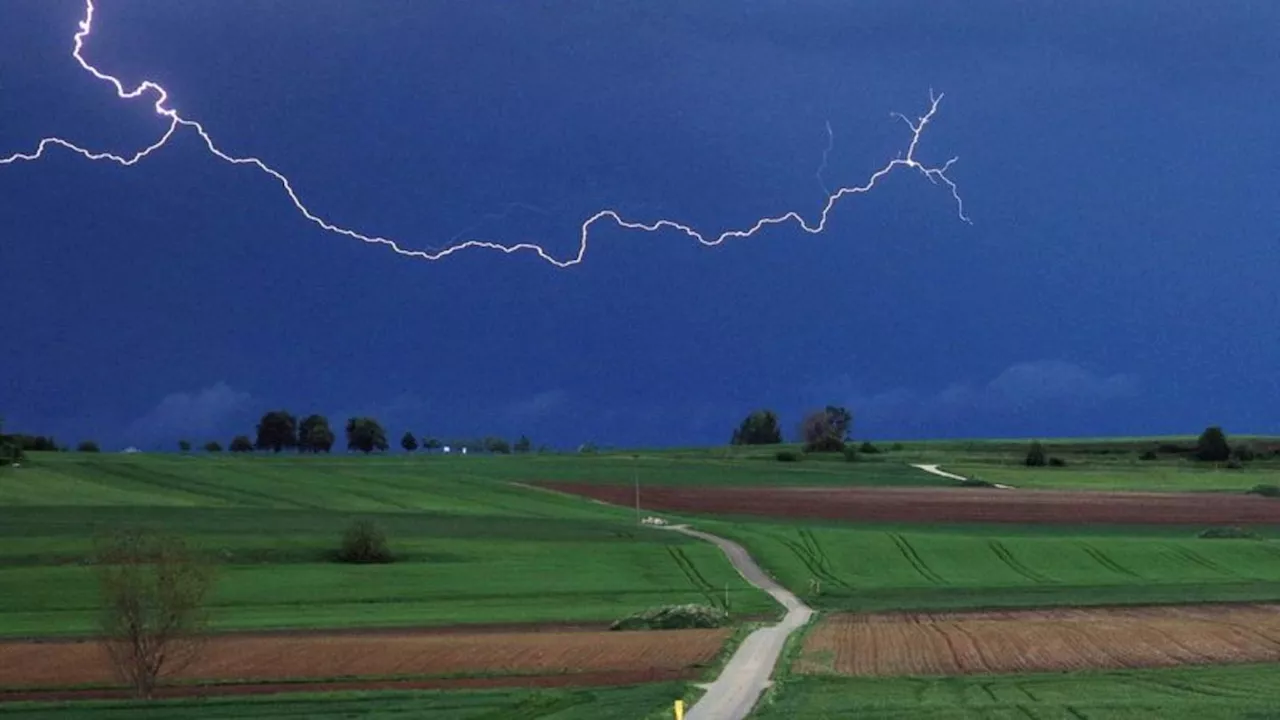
(593, 656)
(945, 504)
(1036, 640)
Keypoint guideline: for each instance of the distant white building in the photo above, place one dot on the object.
(131, 449)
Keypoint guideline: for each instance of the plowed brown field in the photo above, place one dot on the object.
(944, 504)
(660, 654)
(1022, 641)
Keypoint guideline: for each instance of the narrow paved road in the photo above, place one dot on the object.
(732, 695)
(934, 469)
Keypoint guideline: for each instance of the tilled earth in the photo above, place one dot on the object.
(1041, 640)
(941, 504)
(520, 658)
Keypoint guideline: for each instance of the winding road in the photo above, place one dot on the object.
(745, 677)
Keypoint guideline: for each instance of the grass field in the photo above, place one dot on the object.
(1154, 476)
(640, 702)
(1240, 692)
(472, 549)
(872, 567)
(475, 546)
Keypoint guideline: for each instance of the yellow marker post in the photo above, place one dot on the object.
(679, 710)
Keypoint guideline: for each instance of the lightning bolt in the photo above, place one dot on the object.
(175, 122)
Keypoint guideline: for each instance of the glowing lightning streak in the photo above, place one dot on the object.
(934, 175)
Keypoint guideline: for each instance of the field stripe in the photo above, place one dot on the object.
(913, 558)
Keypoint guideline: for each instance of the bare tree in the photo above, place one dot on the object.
(153, 618)
(822, 432)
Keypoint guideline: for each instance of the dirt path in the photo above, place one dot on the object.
(935, 470)
(732, 695)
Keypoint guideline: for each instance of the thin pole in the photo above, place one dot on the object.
(635, 474)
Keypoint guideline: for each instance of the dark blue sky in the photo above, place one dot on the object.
(1117, 162)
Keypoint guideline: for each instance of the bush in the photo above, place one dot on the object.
(1265, 490)
(868, 448)
(87, 446)
(1235, 464)
(1057, 462)
(1212, 445)
(851, 454)
(364, 543)
(788, 456)
(1149, 455)
(673, 617)
(1244, 453)
(896, 447)
(1035, 455)
(1227, 533)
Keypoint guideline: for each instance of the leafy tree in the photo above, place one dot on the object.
(315, 435)
(184, 446)
(759, 428)
(87, 446)
(276, 431)
(523, 445)
(820, 433)
(365, 434)
(153, 591)
(34, 443)
(10, 450)
(1212, 445)
(1035, 455)
(409, 442)
(430, 443)
(497, 445)
(241, 444)
(213, 446)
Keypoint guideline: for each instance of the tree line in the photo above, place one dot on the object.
(280, 430)
(823, 430)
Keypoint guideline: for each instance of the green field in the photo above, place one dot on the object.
(1240, 692)
(1135, 475)
(473, 549)
(877, 566)
(628, 703)
(475, 544)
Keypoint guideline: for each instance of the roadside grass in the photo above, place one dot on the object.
(620, 703)
(1238, 692)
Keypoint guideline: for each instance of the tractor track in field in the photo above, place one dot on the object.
(913, 558)
(1005, 555)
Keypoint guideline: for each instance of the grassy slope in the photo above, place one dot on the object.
(1207, 693)
(629, 703)
(474, 549)
(888, 567)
